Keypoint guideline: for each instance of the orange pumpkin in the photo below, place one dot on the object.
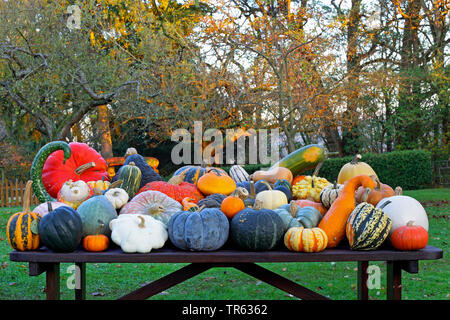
(234, 202)
(216, 181)
(309, 203)
(96, 242)
(335, 220)
(380, 191)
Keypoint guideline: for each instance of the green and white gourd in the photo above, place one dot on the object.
(238, 174)
(330, 193)
(131, 177)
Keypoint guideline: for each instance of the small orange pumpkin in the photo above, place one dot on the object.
(216, 181)
(96, 242)
(234, 202)
(380, 191)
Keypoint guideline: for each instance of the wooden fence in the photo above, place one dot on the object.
(11, 194)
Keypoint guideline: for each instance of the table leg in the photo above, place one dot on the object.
(52, 281)
(394, 280)
(363, 291)
(80, 287)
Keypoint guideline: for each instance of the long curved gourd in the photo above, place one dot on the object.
(38, 165)
(335, 220)
(302, 159)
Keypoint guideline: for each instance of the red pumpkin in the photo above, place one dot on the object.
(409, 237)
(175, 188)
(84, 164)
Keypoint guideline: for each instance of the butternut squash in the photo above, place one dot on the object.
(272, 175)
(335, 220)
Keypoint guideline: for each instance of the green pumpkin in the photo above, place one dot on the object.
(94, 212)
(282, 182)
(61, 229)
(257, 229)
(367, 227)
(131, 177)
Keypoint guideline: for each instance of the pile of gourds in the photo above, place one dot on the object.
(202, 208)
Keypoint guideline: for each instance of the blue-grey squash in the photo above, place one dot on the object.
(94, 212)
(295, 216)
(205, 229)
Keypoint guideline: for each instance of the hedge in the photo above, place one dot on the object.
(410, 169)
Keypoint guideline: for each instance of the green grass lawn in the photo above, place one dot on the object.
(336, 280)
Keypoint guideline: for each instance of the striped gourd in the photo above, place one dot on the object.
(238, 174)
(305, 240)
(22, 227)
(131, 177)
(330, 193)
(367, 227)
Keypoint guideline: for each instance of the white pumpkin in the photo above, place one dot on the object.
(74, 193)
(155, 203)
(117, 196)
(402, 209)
(138, 233)
(271, 199)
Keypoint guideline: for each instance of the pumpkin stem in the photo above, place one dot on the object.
(365, 194)
(241, 193)
(252, 189)
(130, 151)
(356, 158)
(315, 173)
(132, 163)
(84, 167)
(398, 191)
(49, 206)
(293, 208)
(266, 183)
(258, 205)
(142, 223)
(115, 184)
(201, 208)
(410, 223)
(384, 204)
(155, 209)
(176, 180)
(27, 197)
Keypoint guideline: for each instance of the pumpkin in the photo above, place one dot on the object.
(191, 174)
(131, 177)
(330, 193)
(154, 203)
(43, 208)
(74, 193)
(310, 187)
(61, 230)
(409, 237)
(380, 191)
(216, 181)
(205, 229)
(302, 159)
(117, 196)
(271, 199)
(234, 202)
(272, 175)
(402, 209)
(262, 185)
(99, 184)
(302, 239)
(175, 188)
(148, 174)
(354, 168)
(367, 228)
(310, 203)
(22, 227)
(256, 229)
(212, 201)
(136, 233)
(285, 187)
(294, 216)
(188, 204)
(335, 220)
(58, 162)
(238, 174)
(96, 242)
(94, 212)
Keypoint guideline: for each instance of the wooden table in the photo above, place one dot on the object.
(44, 260)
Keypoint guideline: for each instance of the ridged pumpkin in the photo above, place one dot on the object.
(175, 188)
(191, 174)
(22, 227)
(205, 229)
(380, 192)
(354, 168)
(216, 181)
(335, 220)
(131, 177)
(271, 199)
(302, 239)
(256, 229)
(409, 237)
(238, 174)
(367, 228)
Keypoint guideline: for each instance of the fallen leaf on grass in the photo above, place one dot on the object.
(163, 293)
(98, 294)
(284, 269)
(208, 278)
(12, 283)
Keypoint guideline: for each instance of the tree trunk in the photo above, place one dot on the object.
(104, 131)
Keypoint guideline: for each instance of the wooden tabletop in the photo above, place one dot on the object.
(225, 255)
